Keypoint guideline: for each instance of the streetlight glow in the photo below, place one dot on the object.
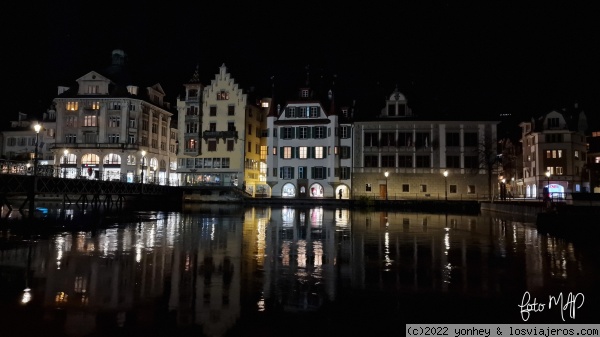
(386, 174)
(446, 185)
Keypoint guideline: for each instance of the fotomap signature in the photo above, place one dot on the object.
(570, 303)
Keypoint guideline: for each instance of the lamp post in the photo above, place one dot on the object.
(66, 152)
(386, 174)
(446, 185)
(37, 129)
(143, 164)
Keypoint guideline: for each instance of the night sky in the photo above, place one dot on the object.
(451, 59)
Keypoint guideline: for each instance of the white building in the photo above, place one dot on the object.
(415, 153)
(309, 151)
(555, 154)
(111, 129)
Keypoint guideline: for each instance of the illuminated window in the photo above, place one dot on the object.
(93, 89)
(559, 170)
(319, 152)
(287, 152)
(222, 95)
(114, 121)
(576, 153)
(89, 121)
(72, 106)
(303, 152)
(263, 152)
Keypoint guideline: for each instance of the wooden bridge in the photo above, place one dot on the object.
(87, 192)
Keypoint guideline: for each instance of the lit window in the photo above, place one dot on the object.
(318, 152)
(303, 150)
(287, 152)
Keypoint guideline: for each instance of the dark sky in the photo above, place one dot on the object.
(456, 58)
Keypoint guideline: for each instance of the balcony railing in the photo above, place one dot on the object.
(219, 134)
(120, 146)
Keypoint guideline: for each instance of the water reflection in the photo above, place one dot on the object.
(216, 269)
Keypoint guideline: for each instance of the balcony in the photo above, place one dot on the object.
(206, 135)
(119, 146)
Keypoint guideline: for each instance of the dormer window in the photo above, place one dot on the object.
(222, 95)
(304, 93)
(552, 122)
(93, 89)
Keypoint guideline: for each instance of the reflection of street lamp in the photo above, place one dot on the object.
(548, 184)
(386, 174)
(66, 152)
(446, 184)
(37, 129)
(143, 164)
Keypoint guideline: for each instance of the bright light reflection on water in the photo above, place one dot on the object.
(251, 270)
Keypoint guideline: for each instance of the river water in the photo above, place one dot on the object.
(228, 270)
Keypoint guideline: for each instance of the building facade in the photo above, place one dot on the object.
(309, 151)
(110, 129)
(399, 156)
(221, 134)
(555, 154)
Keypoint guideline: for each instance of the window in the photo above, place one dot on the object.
(303, 132)
(453, 161)
(287, 172)
(371, 139)
(263, 152)
(249, 147)
(304, 93)
(422, 139)
(114, 121)
(302, 172)
(249, 129)
(371, 161)
(453, 189)
(303, 152)
(212, 145)
(423, 161)
(319, 172)
(93, 89)
(145, 125)
(290, 112)
(71, 121)
(405, 161)
(472, 162)
(314, 112)
(470, 139)
(344, 172)
(191, 127)
(405, 188)
(131, 139)
(559, 170)
(388, 139)
(345, 152)
(344, 132)
(319, 132)
(224, 162)
(287, 133)
(113, 138)
(154, 144)
(553, 122)
(576, 154)
(388, 161)
(72, 106)
(287, 152)
(319, 152)
(452, 139)
(71, 138)
(212, 111)
(222, 95)
(89, 120)
(230, 145)
(154, 127)
(230, 110)
(212, 127)
(132, 123)
(368, 188)
(470, 189)
(423, 188)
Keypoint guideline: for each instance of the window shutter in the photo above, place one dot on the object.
(280, 172)
(312, 172)
(324, 152)
(281, 152)
(292, 173)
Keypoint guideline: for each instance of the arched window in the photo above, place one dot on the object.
(130, 159)
(112, 158)
(153, 164)
(316, 191)
(90, 158)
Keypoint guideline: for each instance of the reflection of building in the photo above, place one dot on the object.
(415, 152)
(309, 148)
(555, 143)
(220, 132)
(104, 122)
(301, 254)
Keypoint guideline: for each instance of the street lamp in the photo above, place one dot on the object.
(386, 174)
(37, 129)
(66, 152)
(143, 164)
(446, 184)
